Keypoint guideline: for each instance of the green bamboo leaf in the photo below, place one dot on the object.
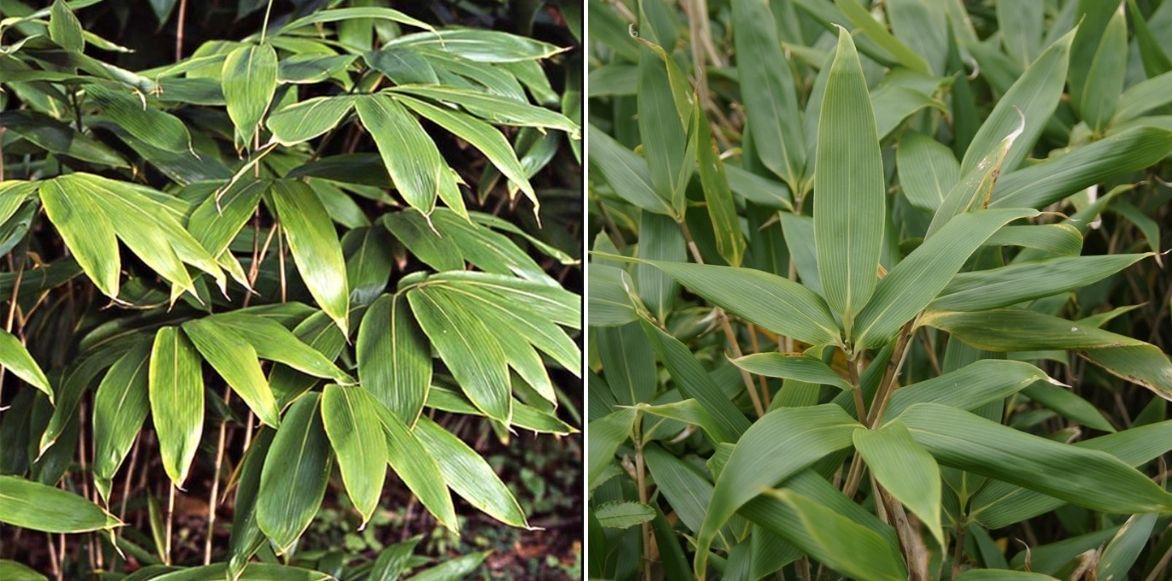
(1143, 364)
(315, 247)
(1016, 283)
(310, 118)
(1000, 504)
(722, 210)
(149, 124)
(247, 537)
(1154, 56)
(15, 571)
(482, 46)
(351, 13)
(1001, 575)
(120, 407)
(625, 172)
(918, 279)
(175, 387)
(393, 560)
(1119, 556)
(984, 381)
(757, 462)
(849, 188)
(623, 515)
(15, 358)
(768, 90)
(250, 572)
(394, 357)
(480, 135)
(413, 162)
(468, 348)
(791, 366)
(905, 470)
(1063, 239)
(553, 303)
(1033, 97)
(1089, 478)
(927, 169)
(1069, 405)
(235, 361)
(688, 411)
(1021, 26)
(605, 435)
(1005, 330)
(272, 341)
(1105, 77)
(359, 445)
(64, 27)
(686, 490)
(86, 231)
(249, 80)
(494, 109)
(693, 380)
(775, 303)
(56, 137)
(296, 472)
(469, 475)
(457, 568)
(417, 465)
(664, 129)
(874, 29)
(39, 507)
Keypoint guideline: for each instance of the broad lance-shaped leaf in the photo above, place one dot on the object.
(917, 279)
(315, 247)
(838, 541)
(767, 88)
(1097, 100)
(849, 189)
(120, 407)
(1100, 161)
(495, 109)
(1142, 364)
(236, 361)
(418, 468)
(413, 162)
(64, 27)
(623, 515)
(469, 348)
(983, 381)
(775, 303)
(175, 386)
(1016, 283)
(927, 170)
(249, 80)
(272, 341)
(15, 358)
(394, 357)
(1000, 504)
(1121, 553)
(1004, 330)
(663, 130)
(482, 136)
(625, 172)
(774, 448)
(296, 472)
(153, 126)
(1088, 478)
(693, 381)
(722, 208)
(309, 118)
(359, 445)
(791, 366)
(247, 572)
(905, 470)
(39, 507)
(1033, 97)
(86, 231)
(469, 475)
(246, 536)
(605, 435)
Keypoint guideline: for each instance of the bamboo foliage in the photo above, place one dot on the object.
(314, 245)
(914, 317)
